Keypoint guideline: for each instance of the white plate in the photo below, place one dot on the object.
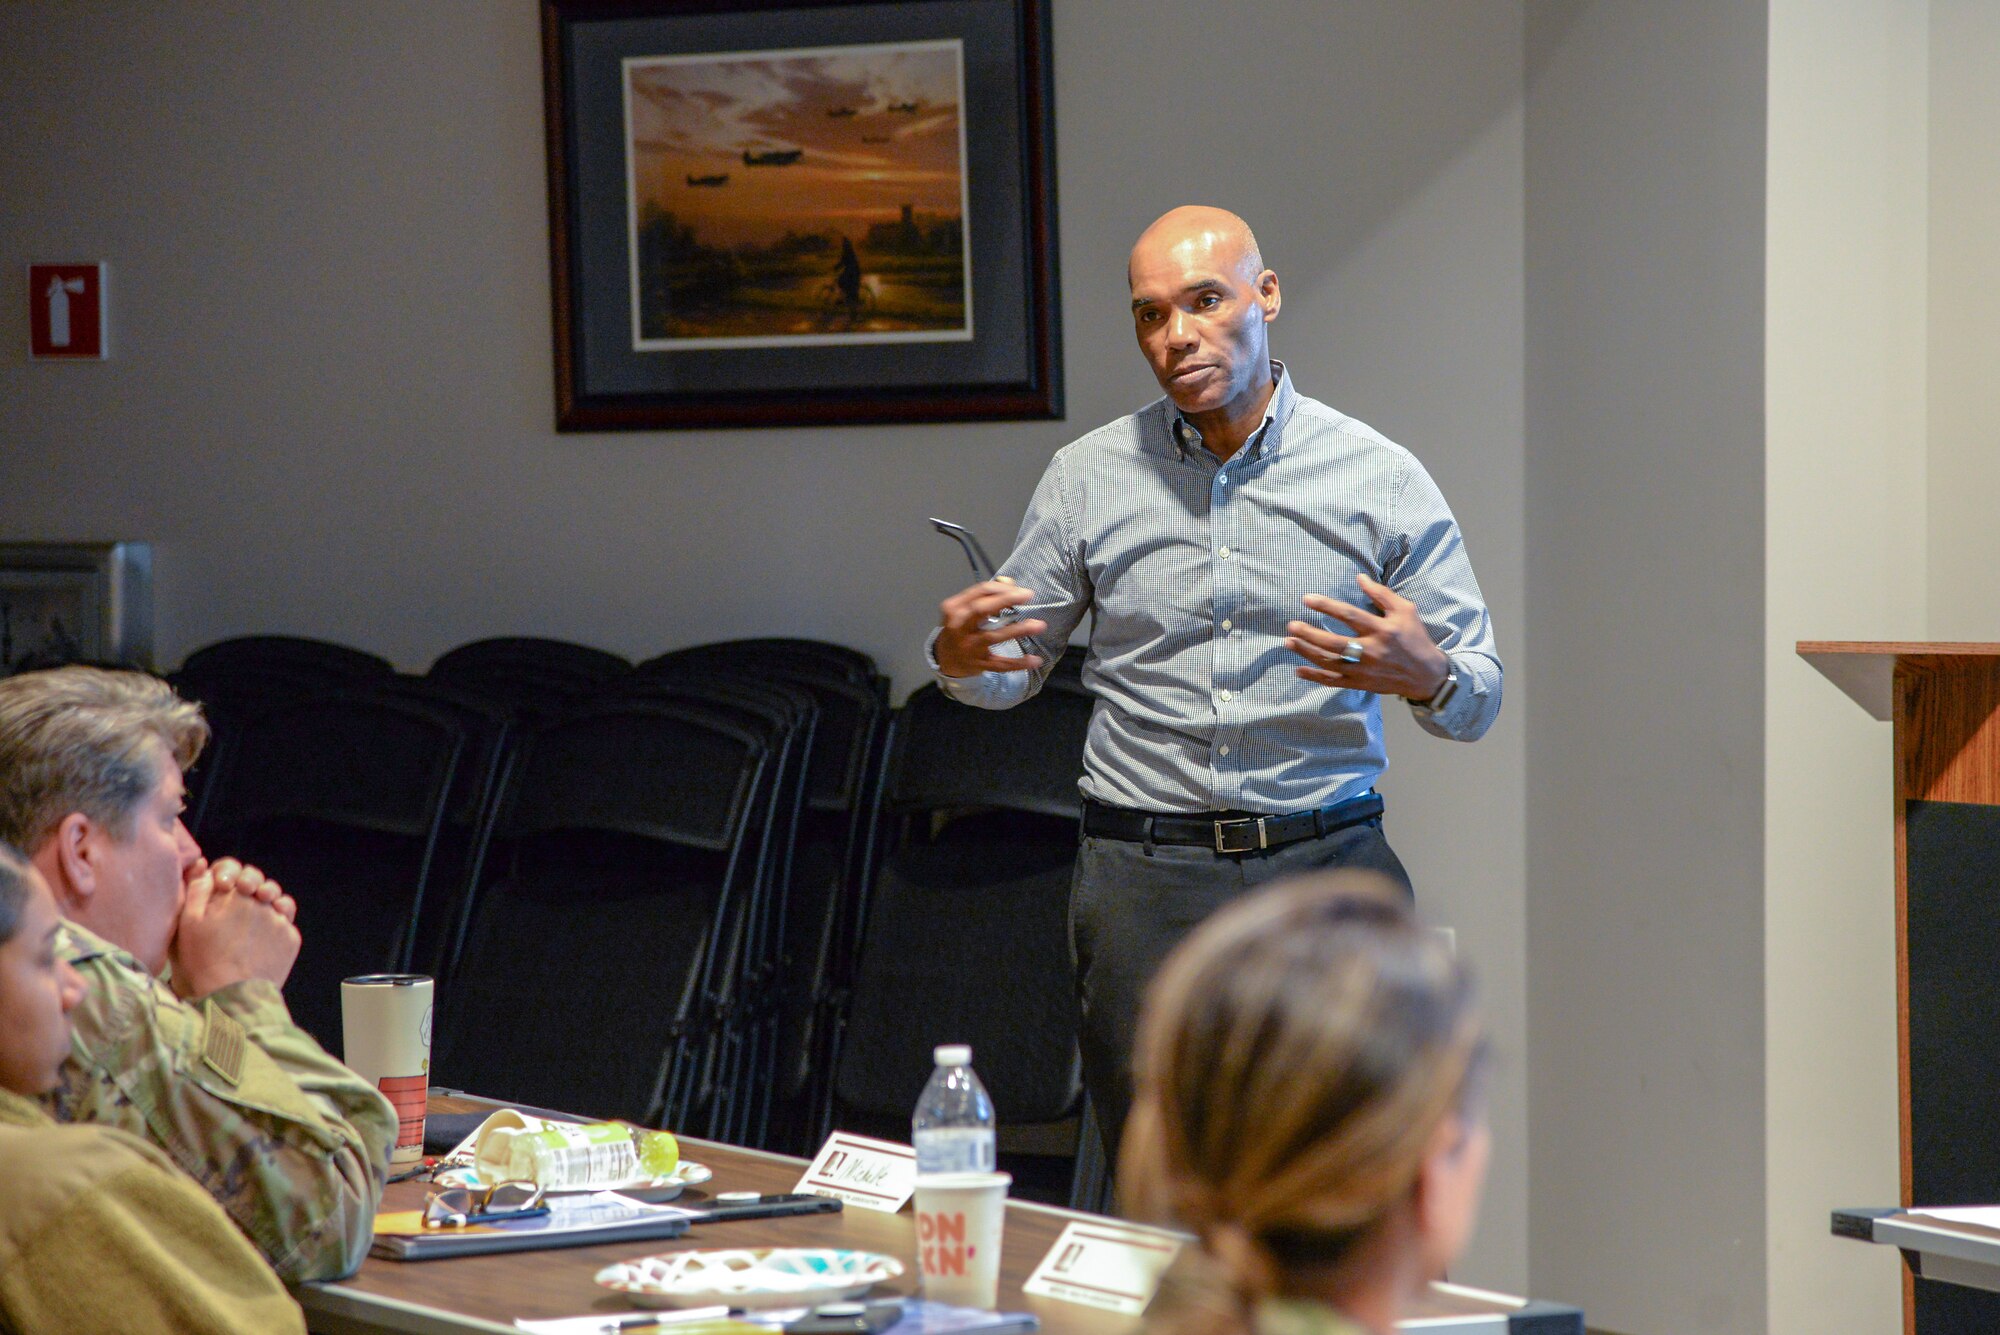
(749, 1277)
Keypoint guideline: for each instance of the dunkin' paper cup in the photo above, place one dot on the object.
(385, 1021)
(959, 1219)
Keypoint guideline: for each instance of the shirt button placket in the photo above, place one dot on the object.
(1228, 602)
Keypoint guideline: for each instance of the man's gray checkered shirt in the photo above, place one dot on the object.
(1194, 567)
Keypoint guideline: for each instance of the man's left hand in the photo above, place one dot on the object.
(240, 878)
(1397, 655)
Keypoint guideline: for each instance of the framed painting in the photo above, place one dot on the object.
(75, 602)
(784, 212)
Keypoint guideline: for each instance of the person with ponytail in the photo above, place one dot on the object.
(1309, 1105)
(98, 1230)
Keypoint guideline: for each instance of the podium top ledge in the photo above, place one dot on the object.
(1866, 669)
(1901, 648)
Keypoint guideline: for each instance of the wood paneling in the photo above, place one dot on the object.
(1948, 728)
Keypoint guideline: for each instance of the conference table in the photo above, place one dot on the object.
(486, 1293)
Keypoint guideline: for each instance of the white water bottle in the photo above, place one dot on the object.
(953, 1126)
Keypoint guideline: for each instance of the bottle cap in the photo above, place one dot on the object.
(952, 1054)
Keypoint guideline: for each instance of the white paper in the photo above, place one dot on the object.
(1115, 1267)
(866, 1174)
(641, 1319)
(577, 1325)
(1986, 1216)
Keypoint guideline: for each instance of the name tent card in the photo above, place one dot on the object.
(1116, 1267)
(867, 1174)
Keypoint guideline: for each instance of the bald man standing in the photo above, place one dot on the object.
(1262, 571)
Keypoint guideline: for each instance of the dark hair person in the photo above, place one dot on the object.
(1309, 1105)
(99, 1231)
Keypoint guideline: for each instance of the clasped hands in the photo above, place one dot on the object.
(235, 924)
(1387, 650)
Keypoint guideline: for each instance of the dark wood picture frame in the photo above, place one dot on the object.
(1008, 364)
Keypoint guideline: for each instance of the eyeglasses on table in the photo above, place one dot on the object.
(455, 1207)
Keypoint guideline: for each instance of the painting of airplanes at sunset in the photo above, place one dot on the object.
(798, 197)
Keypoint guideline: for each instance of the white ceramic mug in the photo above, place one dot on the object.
(960, 1217)
(385, 1021)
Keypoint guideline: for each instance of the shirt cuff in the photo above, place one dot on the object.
(256, 1003)
(985, 690)
(1464, 706)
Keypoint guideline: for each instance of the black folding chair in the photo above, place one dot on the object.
(235, 679)
(966, 937)
(751, 981)
(341, 797)
(619, 858)
(491, 734)
(535, 679)
(831, 868)
(291, 657)
(821, 657)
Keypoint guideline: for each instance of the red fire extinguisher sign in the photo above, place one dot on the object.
(66, 311)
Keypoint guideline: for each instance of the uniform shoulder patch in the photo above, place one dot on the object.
(222, 1052)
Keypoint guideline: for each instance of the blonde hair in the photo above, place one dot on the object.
(1296, 1056)
(89, 740)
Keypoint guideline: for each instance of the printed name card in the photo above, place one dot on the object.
(1101, 1264)
(867, 1174)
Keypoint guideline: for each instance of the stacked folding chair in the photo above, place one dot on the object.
(341, 797)
(810, 979)
(471, 806)
(590, 957)
(738, 1065)
(234, 679)
(967, 929)
(532, 678)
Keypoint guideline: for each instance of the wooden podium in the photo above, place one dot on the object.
(1944, 700)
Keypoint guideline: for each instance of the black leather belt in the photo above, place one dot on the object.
(1226, 832)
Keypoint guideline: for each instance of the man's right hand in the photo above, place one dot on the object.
(227, 936)
(965, 646)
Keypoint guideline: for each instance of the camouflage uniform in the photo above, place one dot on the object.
(100, 1232)
(292, 1144)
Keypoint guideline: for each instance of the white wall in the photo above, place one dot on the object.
(1645, 393)
(1844, 514)
(330, 402)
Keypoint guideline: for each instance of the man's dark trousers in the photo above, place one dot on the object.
(1130, 906)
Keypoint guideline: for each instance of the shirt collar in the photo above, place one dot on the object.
(1263, 442)
(76, 943)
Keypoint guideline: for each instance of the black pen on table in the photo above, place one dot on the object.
(417, 1170)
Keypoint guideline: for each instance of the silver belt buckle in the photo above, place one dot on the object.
(1223, 829)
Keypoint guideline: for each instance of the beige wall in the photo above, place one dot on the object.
(1844, 514)
(1645, 201)
(1964, 325)
(330, 402)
